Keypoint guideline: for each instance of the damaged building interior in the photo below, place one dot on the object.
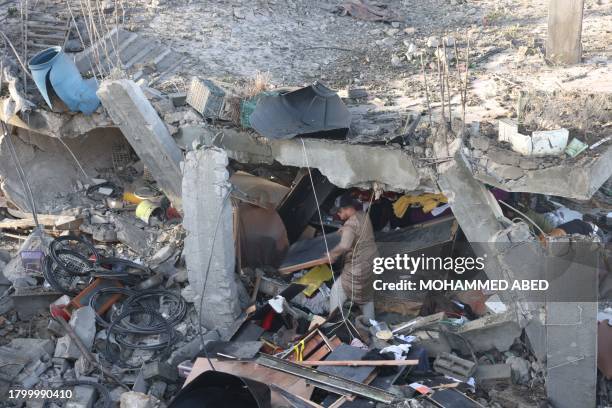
(217, 203)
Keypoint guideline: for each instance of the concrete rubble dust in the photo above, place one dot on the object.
(305, 204)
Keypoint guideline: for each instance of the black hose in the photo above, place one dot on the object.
(176, 313)
(56, 276)
(112, 290)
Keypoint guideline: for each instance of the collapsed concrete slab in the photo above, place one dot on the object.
(345, 165)
(54, 124)
(133, 113)
(576, 178)
(209, 245)
(513, 254)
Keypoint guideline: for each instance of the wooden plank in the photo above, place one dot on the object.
(359, 363)
(308, 253)
(352, 372)
(563, 44)
(320, 354)
(62, 222)
(312, 342)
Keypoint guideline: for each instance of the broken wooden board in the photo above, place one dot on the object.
(60, 222)
(345, 352)
(290, 383)
(359, 363)
(308, 253)
(451, 398)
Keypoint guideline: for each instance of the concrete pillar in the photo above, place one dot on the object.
(146, 132)
(563, 44)
(208, 217)
(474, 206)
(562, 334)
(571, 322)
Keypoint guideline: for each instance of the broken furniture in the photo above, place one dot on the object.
(308, 253)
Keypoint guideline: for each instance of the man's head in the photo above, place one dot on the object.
(345, 206)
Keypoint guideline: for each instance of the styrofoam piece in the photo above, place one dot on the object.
(539, 143)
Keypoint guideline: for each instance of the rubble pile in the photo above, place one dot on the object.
(197, 214)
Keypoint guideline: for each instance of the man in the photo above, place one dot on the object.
(575, 227)
(358, 250)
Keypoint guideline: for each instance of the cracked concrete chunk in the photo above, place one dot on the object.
(132, 399)
(133, 113)
(492, 332)
(578, 179)
(509, 172)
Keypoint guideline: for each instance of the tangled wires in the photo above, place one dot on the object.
(70, 261)
(150, 313)
(73, 261)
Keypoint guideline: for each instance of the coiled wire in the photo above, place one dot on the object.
(121, 336)
(138, 304)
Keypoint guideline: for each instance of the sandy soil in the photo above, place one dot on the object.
(297, 42)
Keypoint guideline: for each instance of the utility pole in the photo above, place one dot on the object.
(563, 44)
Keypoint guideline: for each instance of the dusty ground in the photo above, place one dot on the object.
(298, 42)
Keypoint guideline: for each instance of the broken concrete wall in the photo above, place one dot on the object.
(474, 206)
(53, 174)
(54, 124)
(576, 178)
(210, 240)
(561, 333)
(345, 165)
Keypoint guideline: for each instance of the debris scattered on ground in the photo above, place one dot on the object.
(187, 211)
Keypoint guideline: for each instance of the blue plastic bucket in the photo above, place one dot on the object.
(53, 66)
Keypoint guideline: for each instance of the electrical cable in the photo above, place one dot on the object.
(93, 301)
(120, 335)
(123, 264)
(524, 215)
(314, 192)
(74, 158)
(58, 278)
(92, 191)
(176, 314)
(72, 243)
